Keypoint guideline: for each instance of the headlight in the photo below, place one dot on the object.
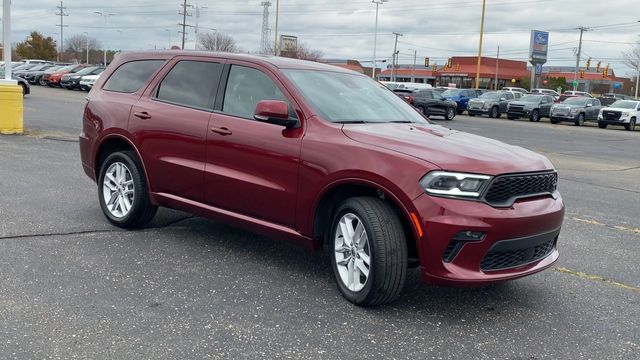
(625, 114)
(486, 105)
(528, 106)
(452, 184)
(575, 111)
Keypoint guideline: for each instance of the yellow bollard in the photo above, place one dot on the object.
(11, 109)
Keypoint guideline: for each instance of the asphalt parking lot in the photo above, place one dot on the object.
(73, 286)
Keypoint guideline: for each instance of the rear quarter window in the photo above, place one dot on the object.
(129, 77)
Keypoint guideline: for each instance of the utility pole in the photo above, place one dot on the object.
(484, 3)
(395, 57)
(637, 78)
(105, 16)
(184, 14)
(413, 69)
(375, 37)
(497, 68)
(62, 14)
(275, 44)
(87, 34)
(575, 72)
(264, 40)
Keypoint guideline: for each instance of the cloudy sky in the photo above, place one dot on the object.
(344, 28)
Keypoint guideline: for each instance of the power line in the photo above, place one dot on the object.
(62, 14)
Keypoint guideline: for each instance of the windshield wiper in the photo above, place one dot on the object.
(351, 122)
(401, 122)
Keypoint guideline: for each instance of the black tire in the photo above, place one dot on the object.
(460, 112)
(142, 211)
(535, 116)
(579, 121)
(471, 114)
(450, 114)
(494, 113)
(511, 117)
(24, 89)
(602, 125)
(387, 251)
(42, 82)
(631, 126)
(421, 109)
(553, 121)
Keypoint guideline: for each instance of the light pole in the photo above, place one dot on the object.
(169, 31)
(395, 57)
(87, 34)
(413, 69)
(375, 37)
(484, 3)
(275, 43)
(105, 16)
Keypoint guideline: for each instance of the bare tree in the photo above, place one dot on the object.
(78, 43)
(632, 57)
(217, 42)
(303, 52)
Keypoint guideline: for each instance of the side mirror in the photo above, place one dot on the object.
(274, 112)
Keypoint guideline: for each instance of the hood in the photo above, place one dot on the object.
(618, 109)
(525, 103)
(449, 149)
(570, 106)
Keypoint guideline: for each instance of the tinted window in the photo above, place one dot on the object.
(508, 96)
(129, 77)
(191, 83)
(245, 88)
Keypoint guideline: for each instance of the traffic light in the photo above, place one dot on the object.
(598, 66)
(449, 63)
(588, 63)
(426, 62)
(605, 73)
(581, 74)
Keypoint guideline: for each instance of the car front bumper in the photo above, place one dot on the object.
(476, 111)
(519, 113)
(567, 117)
(621, 121)
(527, 232)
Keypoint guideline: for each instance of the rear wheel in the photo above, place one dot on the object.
(602, 125)
(421, 109)
(554, 121)
(368, 251)
(450, 114)
(42, 82)
(494, 112)
(123, 191)
(24, 89)
(580, 120)
(631, 126)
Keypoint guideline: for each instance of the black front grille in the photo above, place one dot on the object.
(452, 250)
(611, 115)
(516, 108)
(505, 189)
(496, 260)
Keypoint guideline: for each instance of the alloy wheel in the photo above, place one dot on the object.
(118, 190)
(352, 253)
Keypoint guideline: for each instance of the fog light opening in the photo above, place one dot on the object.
(469, 235)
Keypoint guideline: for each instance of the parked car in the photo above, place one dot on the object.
(35, 68)
(33, 77)
(553, 93)
(532, 107)
(53, 79)
(431, 102)
(576, 110)
(609, 98)
(26, 89)
(321, 156)
(622, 113)
(564, 97)
(71, 81)
(493, 103)
(511, 88)
(461, 97)
(87, 81)
(577, 93)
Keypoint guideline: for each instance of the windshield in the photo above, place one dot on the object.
(531, 98)
(491, 96)
(86, 70)
(449, 93)
(624, 104)
(575, 101)
(342, 97)
(66, 68)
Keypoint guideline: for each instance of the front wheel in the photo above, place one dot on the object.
(450, 114)
(494, 112)
(535, 116)
(579, 121)
(42, 82)
(631, 126)
(369, 252)
(123, 191)
(602, 125)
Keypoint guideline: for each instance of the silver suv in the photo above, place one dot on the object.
(493, 103)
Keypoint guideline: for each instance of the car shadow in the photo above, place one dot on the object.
(289, 260)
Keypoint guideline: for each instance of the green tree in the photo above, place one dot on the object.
(554, 82)
(37, 47)
(525, 82)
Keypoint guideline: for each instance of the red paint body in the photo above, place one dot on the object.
(271, 179)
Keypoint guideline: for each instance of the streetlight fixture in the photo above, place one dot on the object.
(105, 16)
(375, 36)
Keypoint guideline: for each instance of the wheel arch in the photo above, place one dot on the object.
(334, 194)
(112, 143)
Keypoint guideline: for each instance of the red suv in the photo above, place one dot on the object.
(324, 157)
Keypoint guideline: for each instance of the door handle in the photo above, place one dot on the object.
(221, 130)
(142, 114)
